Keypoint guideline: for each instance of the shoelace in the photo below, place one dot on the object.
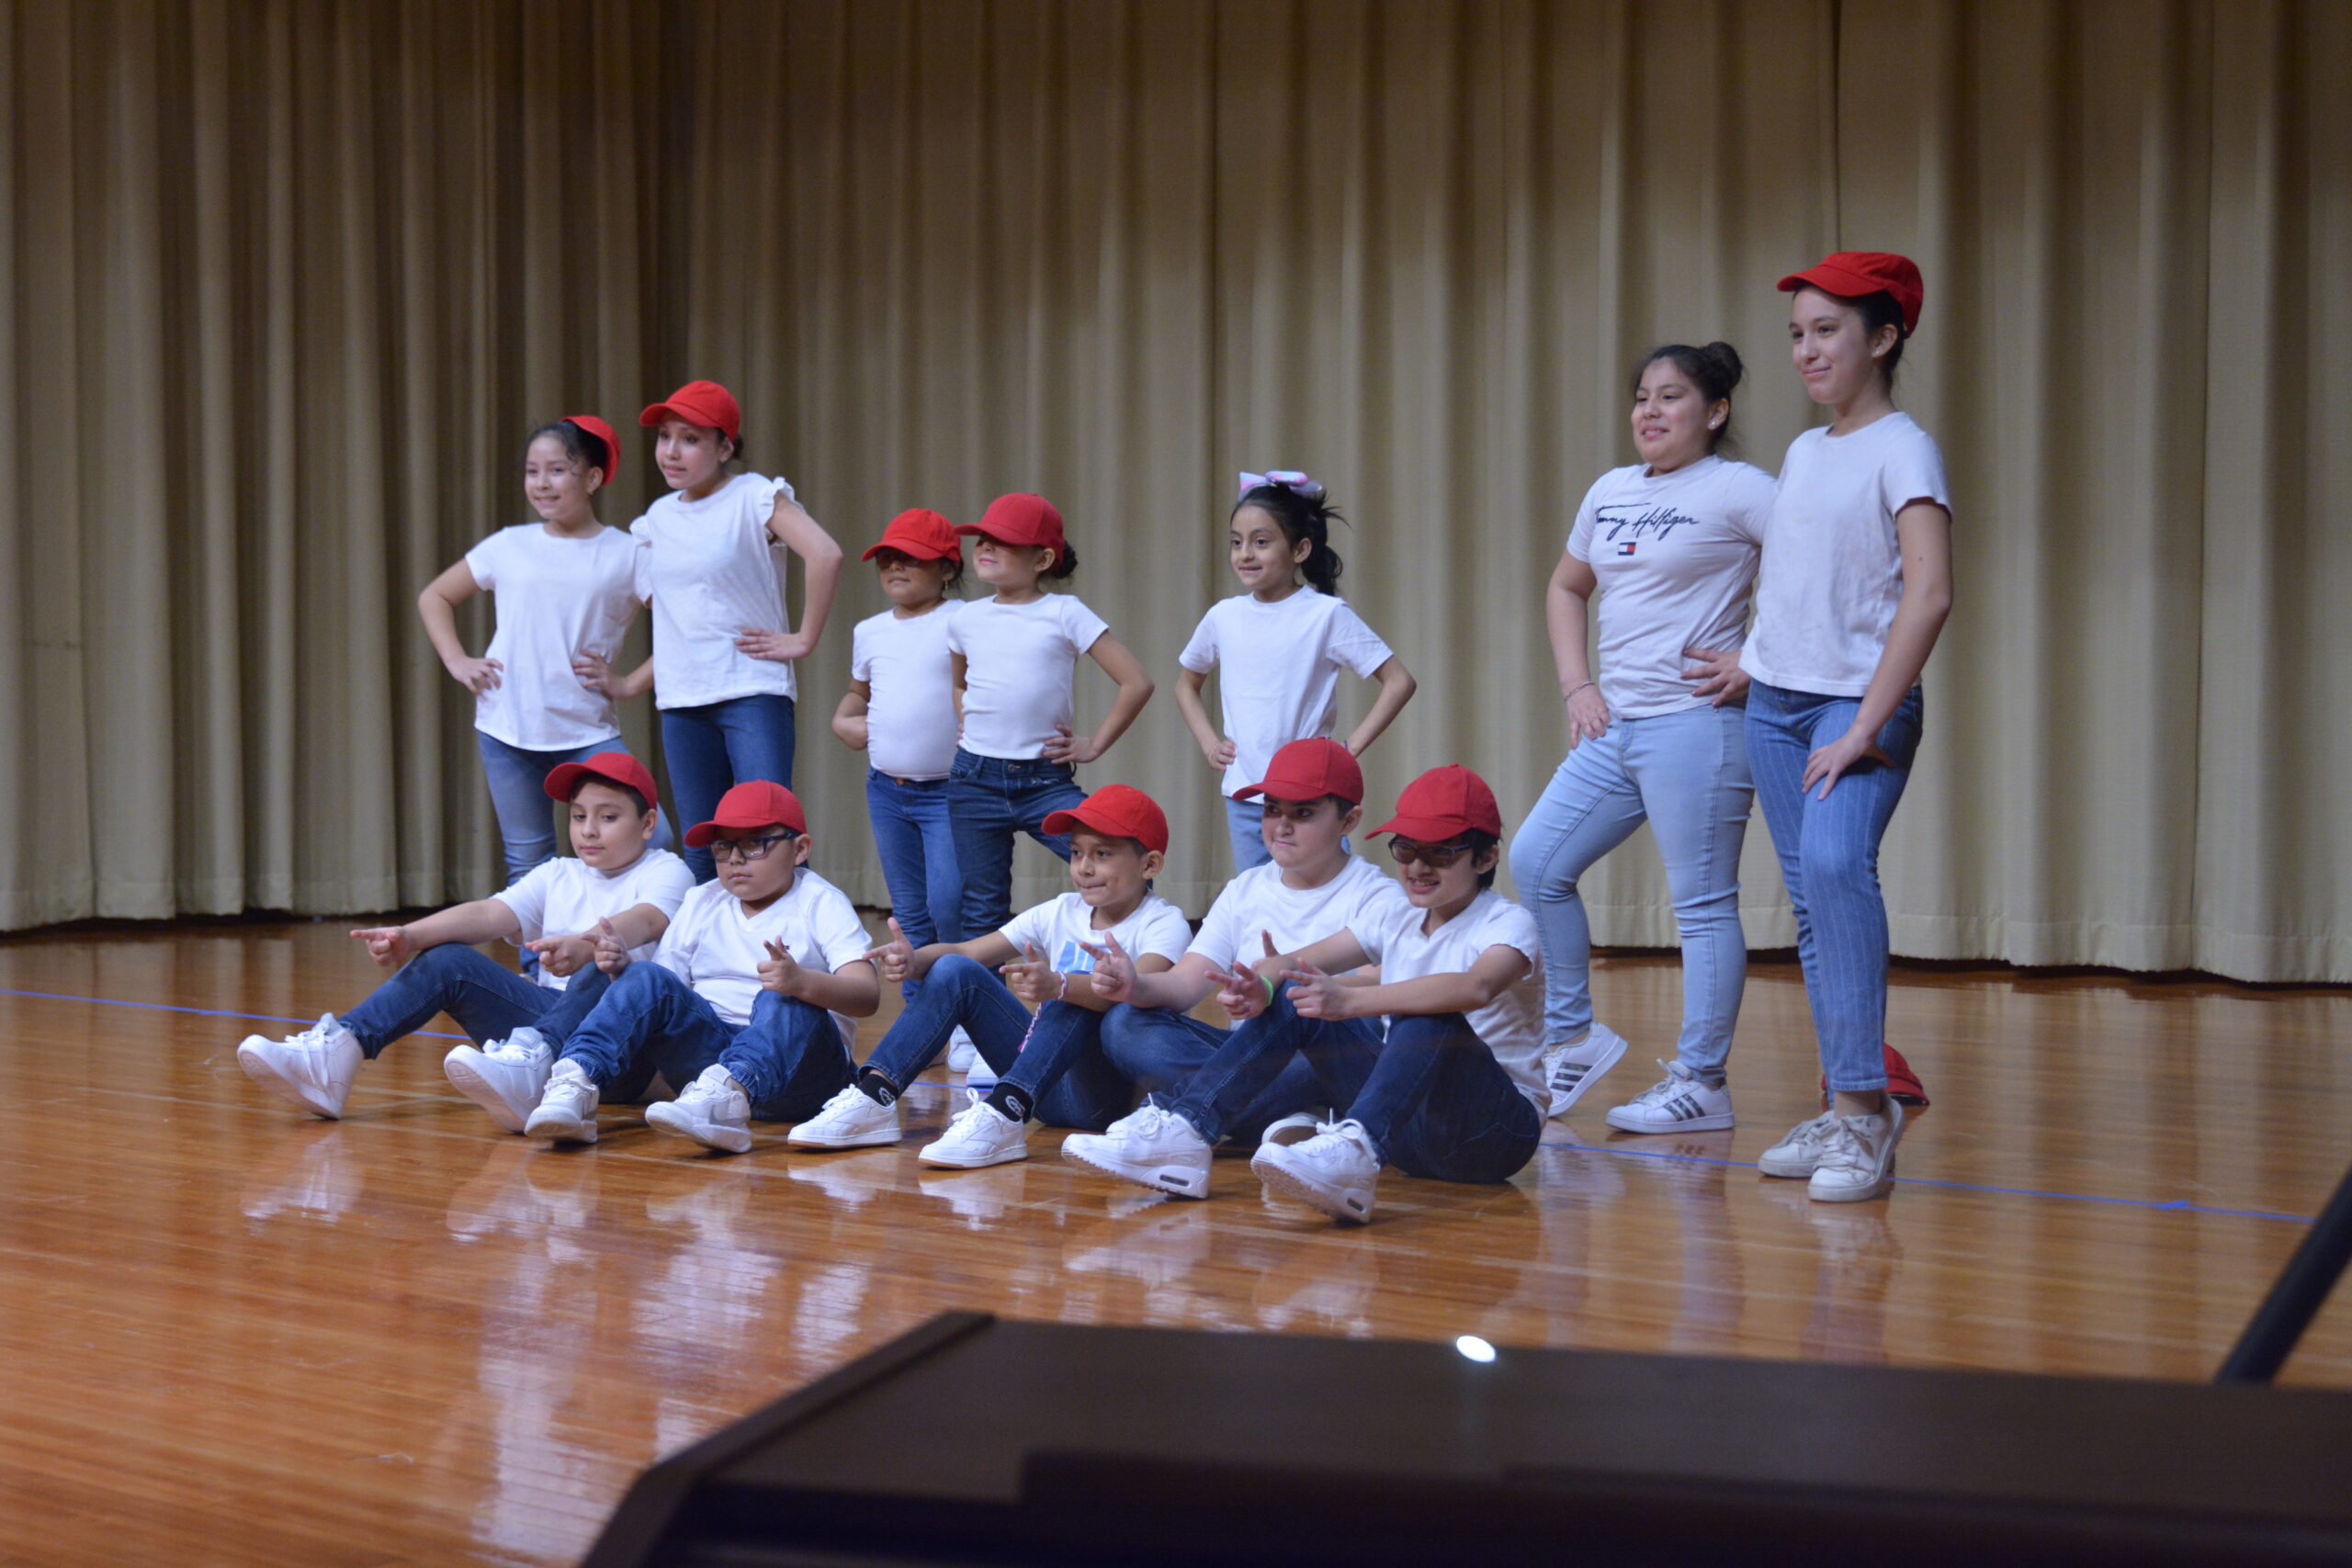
(315, 1037)
(1842, 1143)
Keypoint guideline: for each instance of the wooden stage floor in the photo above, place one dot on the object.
(236, 1335)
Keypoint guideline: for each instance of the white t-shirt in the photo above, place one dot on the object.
(718, 949)
(905, 663)
(1058, 926)
(711, 569)
(1676, 557)
(1258, 902)
(1833, 567)
(567, 896)
(554, 599)
(1512, 1024)
(1281, 665)
(1017, 665)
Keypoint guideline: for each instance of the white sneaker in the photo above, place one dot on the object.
(961, 1052)
(851, 1120)
(1679, 1103)
(980, 1134)
(1858, 1157)
(505, 1077)
(567, 1110)
(312, 1071)
(1293, 1129)
(1569, 1070)
(1335, 1171)
(713, 1112)
(1149, 1146)
(1798, 1154)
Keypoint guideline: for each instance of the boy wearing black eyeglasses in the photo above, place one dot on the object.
(750, 1000)
(1456, 1093)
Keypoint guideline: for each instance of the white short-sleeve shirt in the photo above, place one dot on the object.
(1511, 1025)
(1833, 567)
(1280, 665)
(1058, 927)
(567, 896)
(712, 570)
(553, 599)
(1259, 902)
(1018, 659)
(909, 668)
(714, 945)
(1676, 556)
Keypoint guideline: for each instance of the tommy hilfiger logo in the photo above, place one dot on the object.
(1626, 549)
(1624, 527)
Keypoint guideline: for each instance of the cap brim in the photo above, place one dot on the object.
(658, 413)
(1424, 829)
(565, 777)
(1071, 820)
(904, 548)
(1295, 793)
(700, 835)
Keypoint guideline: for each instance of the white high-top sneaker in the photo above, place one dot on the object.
(567, 1111)
(980, 1134)
(1679, 1102)
(505, 1077)
(1336, 1171)
(1149, 1146)
(713, 1112)
(313, 1070)
(851, 1120)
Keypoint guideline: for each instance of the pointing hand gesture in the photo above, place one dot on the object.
(1114, 971)
(1031, 978)
(895, 959)
(387, 945)
(1242, 995)
(564, 955)
(779, 971)
(1316, 994)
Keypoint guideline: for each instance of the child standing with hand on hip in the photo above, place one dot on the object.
(1014, 656)
(723, 651)
(1281, 646)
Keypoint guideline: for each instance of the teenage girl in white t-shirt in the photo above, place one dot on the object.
(723, 650)
(563, 589)
(901, 711)
(1670, 544)
(1015, 653)
(1281, 647)
(1857, 583)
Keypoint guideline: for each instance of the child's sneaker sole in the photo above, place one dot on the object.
(1348, 1204)
(1623, 1123)
(1184, 1184)
(664, 1118)
(474, 1086)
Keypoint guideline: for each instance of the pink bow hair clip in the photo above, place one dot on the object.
(1281, 478)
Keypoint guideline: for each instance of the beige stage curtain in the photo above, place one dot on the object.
(290, 283)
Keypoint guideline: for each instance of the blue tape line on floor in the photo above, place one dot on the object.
(200, 1012)
(2182, 1204)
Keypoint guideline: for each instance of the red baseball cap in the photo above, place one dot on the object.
(612, 767)
(1853, 274)
(1445, 802)
(700, 402)
(921, 533)
(1310, 770)
(590, 424)
(1119, 811)
(1020, 519)
(759, 803)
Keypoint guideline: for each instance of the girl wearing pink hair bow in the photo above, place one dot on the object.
(1282, 646)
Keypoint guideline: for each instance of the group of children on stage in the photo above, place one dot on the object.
(1422, 1021)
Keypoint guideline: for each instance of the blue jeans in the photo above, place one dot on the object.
(1055, 1059)
(917, 843)
(713, 748)
(1828, 852)
(1686, 774)
(790, 1058)
(990, 799)
(488, 1000)
(1159, 1051)
(518, 794)
(1432, 1098)
(1246, 821)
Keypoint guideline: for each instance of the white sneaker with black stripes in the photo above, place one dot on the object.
(1570, 1070)
(1679, 1102)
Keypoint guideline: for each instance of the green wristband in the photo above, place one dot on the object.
(1269, 988)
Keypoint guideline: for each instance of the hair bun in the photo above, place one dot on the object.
(1728, 358)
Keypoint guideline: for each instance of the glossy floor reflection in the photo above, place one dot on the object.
(238, 1337)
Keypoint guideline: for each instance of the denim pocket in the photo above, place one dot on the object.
(1899, 737)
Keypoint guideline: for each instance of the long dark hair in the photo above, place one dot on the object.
(1301, 517)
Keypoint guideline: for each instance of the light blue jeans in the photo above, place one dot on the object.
(1828, 852)
(518, 781)
(1686, 773)
(1245, 820)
